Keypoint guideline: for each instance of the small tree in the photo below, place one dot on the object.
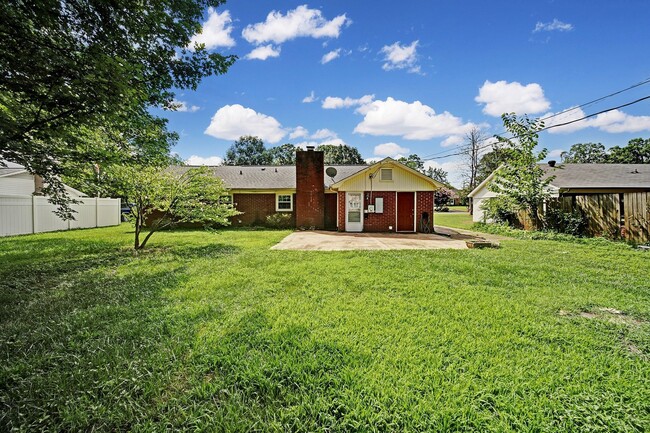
(161, 199)
(441, 197)
(520, 181)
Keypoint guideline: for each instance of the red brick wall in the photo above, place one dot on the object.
(424, 203)
(341, 211)
(310, 189)
(379, 222)
(255, 208)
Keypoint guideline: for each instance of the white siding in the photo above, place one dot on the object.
(19, 184)
(33, 214)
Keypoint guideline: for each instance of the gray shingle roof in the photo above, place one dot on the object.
(271, 176)
(599, 175)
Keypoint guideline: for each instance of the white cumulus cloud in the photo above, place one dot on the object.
(334, 102)
(299, 22)
(232, 121)
(215, 31)
(390, 149)
(555, 25)
(401, 57)
(331, 56)
(503, 97)
(615, 121)
(200, 160)
(411, 121)
(309, 98)
(183, 106)
(452, 140)
(263, 52)
(323, 134)
(299, 132)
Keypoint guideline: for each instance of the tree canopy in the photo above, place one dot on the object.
(585, 153)
(343, 154)
(247, 150)
(413, 161)
(637, 151)
(73, 69)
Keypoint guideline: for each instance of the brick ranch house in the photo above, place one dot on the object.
(386, 196)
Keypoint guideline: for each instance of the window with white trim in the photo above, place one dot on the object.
(284, 202)
(386, 174)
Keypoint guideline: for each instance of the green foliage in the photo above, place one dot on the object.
(572, 223)
(161, 199)
(91, 65)
(344, 155)
(490, 162)
(585, 153)
(413, 161)
(247, 150)
(217, 332)
(438, 174)
(637, 151)
(520, 180)
(500, 209)
(279, 221)
(283, 155)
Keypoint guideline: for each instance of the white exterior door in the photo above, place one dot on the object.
(353, 211)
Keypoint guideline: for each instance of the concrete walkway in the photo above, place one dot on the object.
(335, 241)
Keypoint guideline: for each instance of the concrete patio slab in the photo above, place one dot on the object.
(334, 241)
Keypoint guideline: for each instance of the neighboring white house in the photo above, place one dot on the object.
(23, 210)
(574, 179)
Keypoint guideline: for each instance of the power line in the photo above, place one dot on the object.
(633, 86)
(551, 126)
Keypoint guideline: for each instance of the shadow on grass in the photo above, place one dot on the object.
(82, 345)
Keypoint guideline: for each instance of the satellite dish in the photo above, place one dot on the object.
(330, 171)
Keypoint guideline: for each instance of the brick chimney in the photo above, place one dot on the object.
(310, 188)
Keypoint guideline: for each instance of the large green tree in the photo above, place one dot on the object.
(247, 150)
(585, 153)
(284, 154)
(413, 161)
(160, 199)
(637, 151)
(343, 154)
(520, 182)
(72, 66)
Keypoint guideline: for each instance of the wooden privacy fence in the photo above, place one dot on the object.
(34, 214)
(614, 215)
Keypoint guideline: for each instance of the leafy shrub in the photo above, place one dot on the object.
(279, 221)
(441, 209)
(500, 209)
(571, 223)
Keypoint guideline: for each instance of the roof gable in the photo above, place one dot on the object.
(408, 179)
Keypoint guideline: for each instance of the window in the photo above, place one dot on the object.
(386, 174)
(284, 202)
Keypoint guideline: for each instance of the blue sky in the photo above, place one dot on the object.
(395, 78)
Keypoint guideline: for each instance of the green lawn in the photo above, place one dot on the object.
(457, 218)
(215, 332)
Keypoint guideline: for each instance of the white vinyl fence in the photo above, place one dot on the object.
(34, 214)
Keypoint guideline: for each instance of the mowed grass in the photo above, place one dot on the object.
(458, 217)
(216, 332)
